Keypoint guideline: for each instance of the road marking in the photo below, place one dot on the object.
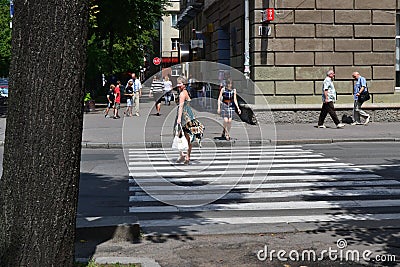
(283, 177)
(268, 195)
(268, 220)
(277, 186)
(291, 205)
(259, 171)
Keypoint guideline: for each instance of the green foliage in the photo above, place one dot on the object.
(121, 33)
(92, 263)
(5, 38)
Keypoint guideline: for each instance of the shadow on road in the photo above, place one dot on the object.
(372, 227)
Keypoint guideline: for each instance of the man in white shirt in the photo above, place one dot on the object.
(328, 100)
(137, 92)
(167, 90)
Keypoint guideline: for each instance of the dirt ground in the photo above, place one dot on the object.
(242, 250)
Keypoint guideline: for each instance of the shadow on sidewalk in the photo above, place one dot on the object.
(99, 194)
(372, 228)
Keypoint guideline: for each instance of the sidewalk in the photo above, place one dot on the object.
(156, 131)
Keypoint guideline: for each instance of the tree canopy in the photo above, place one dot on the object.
(121, 34)
(5, 38)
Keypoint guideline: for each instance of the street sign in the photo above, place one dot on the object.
(270, 14)
(156, 61)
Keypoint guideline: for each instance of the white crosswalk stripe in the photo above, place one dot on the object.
(254, 185)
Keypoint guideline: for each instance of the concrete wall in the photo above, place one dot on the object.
(309, 37)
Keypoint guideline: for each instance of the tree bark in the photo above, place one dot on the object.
(41, 166)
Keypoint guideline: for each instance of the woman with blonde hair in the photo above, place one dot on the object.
(186, 120)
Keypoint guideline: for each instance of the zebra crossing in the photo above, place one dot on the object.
(242, 188)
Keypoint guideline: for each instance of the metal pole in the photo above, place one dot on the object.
(161, 50)
(246, 40)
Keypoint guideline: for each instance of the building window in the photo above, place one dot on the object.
(176, 70)
(174, 19)
(174, 44)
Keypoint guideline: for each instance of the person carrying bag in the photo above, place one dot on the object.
(361, 95)
(191, 127)
(179, 143)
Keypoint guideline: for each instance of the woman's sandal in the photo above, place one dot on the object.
(180, 159)
(186, 162)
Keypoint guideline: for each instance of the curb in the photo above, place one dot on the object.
(144, 262)
(94, 145)
(116, 233)
(120, 233)
(116, 228)
(336, 140)
(102, 221)
(91, 145)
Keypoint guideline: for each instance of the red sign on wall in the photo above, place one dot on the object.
(270, 14)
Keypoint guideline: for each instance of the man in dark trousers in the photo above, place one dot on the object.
(328, 100)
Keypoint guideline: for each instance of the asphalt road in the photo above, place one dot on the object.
(381, 158)
(104, 174)
(103, 189)
(104, 193)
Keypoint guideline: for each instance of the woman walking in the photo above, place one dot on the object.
(191, 127)
(167, 90)
(228, 100)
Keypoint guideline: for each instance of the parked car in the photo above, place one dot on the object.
(3, 91)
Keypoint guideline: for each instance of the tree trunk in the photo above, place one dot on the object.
(41, 167)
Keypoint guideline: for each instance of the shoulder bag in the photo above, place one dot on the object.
(179, 143)
(364, 96)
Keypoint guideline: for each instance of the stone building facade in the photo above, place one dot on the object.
(305, 39)
(170, 35)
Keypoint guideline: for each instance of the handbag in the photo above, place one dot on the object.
(179, 143)
(364, 96)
